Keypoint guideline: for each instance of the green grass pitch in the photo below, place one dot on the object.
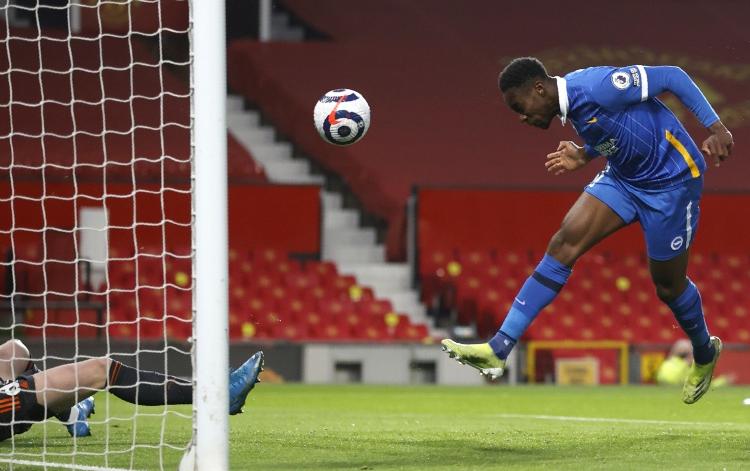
(429, 427)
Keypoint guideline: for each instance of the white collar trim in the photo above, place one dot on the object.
(562, 94)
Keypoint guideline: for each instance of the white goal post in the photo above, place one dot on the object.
(211, 425)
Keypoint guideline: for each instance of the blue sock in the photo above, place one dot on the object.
(688, 310)
(538, 291)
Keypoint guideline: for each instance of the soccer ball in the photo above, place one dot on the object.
(342, 116)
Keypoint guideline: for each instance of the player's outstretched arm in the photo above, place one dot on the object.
(567, 157)
(673, 79)
(668, 78)
(627, 86)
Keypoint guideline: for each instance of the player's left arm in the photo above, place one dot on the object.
(660, 79)
(631, 85)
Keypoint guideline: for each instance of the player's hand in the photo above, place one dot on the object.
(719, 144)
(567, 158)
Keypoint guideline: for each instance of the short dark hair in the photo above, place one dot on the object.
(519, 71)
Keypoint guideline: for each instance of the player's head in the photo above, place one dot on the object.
(529, 91)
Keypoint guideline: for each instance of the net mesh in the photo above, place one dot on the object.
(95, 212)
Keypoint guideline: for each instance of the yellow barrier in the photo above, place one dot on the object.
(534, 345)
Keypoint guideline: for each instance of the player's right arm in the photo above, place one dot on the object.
(567, 157)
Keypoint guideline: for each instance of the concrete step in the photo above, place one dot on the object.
(279, 21)
(282, 31)
(299, 179)
(268, 152)
(406, 302)
(289, 35)
(341, 218)
(354, 254)
(345, 236)
(287, 167)
(388, 276)
(235, 103)
(253, 135)
(332, 200)
(238, 120)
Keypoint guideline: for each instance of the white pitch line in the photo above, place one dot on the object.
(565, 418)
(48, 464)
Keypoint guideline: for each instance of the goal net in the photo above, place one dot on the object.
(96, 224)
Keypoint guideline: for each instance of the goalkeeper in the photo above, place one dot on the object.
(33, 395)
(14, 358)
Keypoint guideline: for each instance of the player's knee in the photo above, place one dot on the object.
(14, 348)
(668, 291)
(101, 369)
(563, 249)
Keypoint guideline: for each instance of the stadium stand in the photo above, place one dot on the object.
(108, 130)
(406, 57)
(471, 263)
(610, 296)
(272, 296)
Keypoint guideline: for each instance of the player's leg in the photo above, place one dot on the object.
(586, 224)
(60, 387)
(600, 211)
(682, 296)
(670, 223)
(14, 359)
(676, 290)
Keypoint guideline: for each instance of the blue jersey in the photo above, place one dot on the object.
(616, 112)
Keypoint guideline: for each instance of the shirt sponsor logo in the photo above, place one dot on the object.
(11, 389)
(621, 80)
(607, 148)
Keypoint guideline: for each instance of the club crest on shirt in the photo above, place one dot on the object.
(677, 243)
(621, 80)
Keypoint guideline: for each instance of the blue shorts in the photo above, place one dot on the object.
(669, 217)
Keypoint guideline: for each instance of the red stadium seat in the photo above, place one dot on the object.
(468, 291)
(316, 294)
(372, 332)
(435, 260)
(267, 257)
(342, 283)
(336, 307)
(476, 261)
(413, 332)
(374, 307)
(291, 331)
(323, 270)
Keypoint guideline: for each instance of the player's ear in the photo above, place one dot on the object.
(539, 88)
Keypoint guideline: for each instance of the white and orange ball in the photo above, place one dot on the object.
(342, 116)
